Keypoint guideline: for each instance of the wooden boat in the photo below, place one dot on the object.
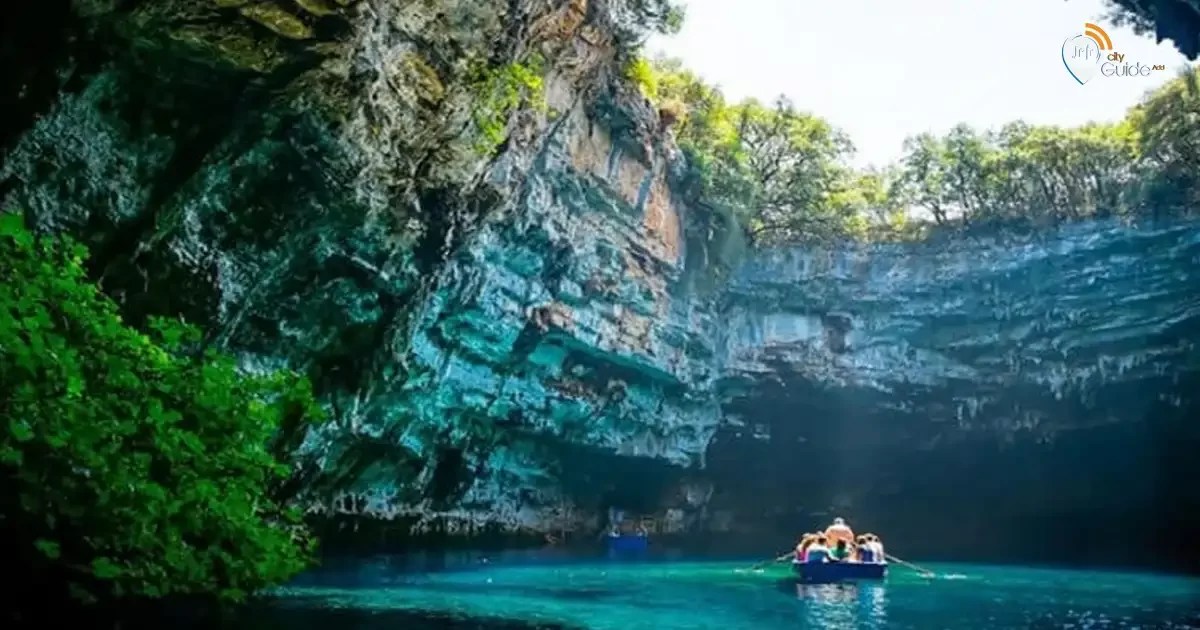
(831, 572)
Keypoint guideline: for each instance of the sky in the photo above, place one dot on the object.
(883, 70)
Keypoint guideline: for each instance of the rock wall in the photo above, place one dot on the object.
(1005, 335)
(987, 399)
(562, 320)
(315, 185)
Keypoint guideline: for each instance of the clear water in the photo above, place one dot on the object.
(725, 595)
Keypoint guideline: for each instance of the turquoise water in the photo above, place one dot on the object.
(665, 596)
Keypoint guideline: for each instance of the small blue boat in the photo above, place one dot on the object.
(831, 572)
(627, 543)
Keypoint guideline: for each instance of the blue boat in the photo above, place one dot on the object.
(831, 572)
(627, 543)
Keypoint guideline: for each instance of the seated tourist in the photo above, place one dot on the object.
(802, 548)
(839, 531)
(840, 552)
(817, 551)
(866, 552)
(877, 547)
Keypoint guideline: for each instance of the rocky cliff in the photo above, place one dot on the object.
(1005, 335)
(503, 293)
(1038, 369)
(453, 215)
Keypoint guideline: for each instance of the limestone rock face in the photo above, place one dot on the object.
(562, 319)
(316, 185)
(965, 396)
(1003, 335)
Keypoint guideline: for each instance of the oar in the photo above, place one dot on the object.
(922, 570)
(764, 563)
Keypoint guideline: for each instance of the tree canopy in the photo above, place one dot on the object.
(786, 174)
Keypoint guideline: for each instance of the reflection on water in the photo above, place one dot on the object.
(842, 605)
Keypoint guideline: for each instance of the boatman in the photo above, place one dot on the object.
(839, 531)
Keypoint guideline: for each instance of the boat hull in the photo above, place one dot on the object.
(831, 572)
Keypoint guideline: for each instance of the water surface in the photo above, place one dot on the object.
(725, 595)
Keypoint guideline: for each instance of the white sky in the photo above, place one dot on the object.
(883, 70)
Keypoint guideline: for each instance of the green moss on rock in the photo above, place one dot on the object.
(319, 8)
(423, 77)
(241, 50)
(278, 20)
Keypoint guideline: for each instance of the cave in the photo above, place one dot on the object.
(520, 338)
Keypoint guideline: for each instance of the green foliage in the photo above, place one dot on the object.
(1167, 130)
(1020, 176)
(1032, 177)
(782, 171)
(673, 19)
(136, 465)
(657, 16)
(639, 72)
(786, 177)
(497, 92)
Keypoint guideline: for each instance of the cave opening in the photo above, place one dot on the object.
(1064, 491)
(599, 481)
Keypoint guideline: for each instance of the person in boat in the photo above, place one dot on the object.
(806, 541)
(866, 551)
(841, 552)
(839, 530)
(876, 547)
(801, 550)
(818, 551)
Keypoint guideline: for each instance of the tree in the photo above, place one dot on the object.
(1021, 176)
(1167, 126)
(135, 465)
(777, 167)
(795, 162)
(784, 173)
(924, 176)
(642, 16)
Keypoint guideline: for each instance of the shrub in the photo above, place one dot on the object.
(136, 466)
(497, 92)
